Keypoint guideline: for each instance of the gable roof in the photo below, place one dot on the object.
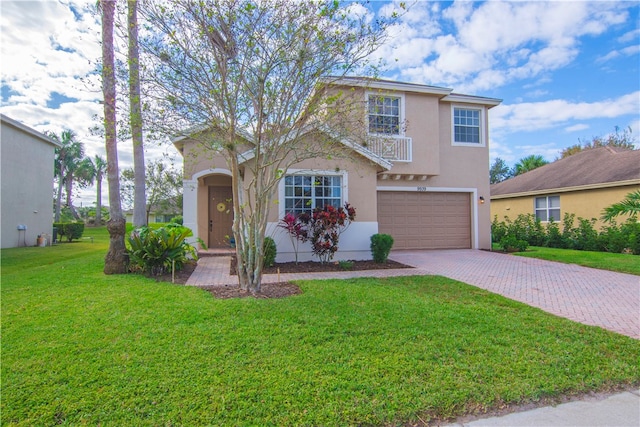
(444, 93)
(592, 168)
(363, 151)
(26, 129)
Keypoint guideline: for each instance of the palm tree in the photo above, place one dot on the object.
(529, 163)
(100, 167)
(67, 160)
(90, 171)
(630, 205)
(115, 261)
(139, 199)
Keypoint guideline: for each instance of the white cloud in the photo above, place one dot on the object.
(491, 44)
(630, 36)
(576, 128)
(530, 116)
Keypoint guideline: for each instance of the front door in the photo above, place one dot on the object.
(220, 216)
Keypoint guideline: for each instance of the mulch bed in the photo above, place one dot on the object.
(275, 290)
(317, 267)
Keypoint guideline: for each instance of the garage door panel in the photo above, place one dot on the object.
(425, 220)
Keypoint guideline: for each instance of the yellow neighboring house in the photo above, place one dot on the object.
(583, 184)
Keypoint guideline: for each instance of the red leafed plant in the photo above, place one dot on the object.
(324, 226)
(296, 230)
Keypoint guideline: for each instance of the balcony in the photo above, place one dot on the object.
(393, 148)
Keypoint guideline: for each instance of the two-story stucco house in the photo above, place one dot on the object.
(422, 175)
(27, 183)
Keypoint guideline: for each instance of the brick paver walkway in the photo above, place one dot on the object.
(593, 297)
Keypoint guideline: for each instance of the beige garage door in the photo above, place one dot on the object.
(419, 220)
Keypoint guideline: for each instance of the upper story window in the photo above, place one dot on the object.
(303, 193)
(385, 114)
(467, 126)
(547, 208)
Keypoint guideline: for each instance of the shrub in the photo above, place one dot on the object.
(324, 226)
(156, 251)
(71, 230)
(380, 247)
(345, 265)
(524, 227)
(554, 237)
(631, 229)
(585, 236)
(511, 243)
(270, 252)
(612, 238)
(177, 220)
(498, 229)
(296, 231)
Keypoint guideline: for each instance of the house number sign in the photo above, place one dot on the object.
(421, 188)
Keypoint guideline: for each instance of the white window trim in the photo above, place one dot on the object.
(535, 209)
(281, 189)
(402, 112)
(483, 130)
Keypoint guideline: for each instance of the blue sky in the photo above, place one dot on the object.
(565, 70)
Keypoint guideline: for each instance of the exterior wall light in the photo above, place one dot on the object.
(481, 200)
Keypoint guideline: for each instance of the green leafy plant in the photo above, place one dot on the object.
(177, 220)
(511, 243)
(346, 265)
(156, 252)
(270, 252)
(380, 247)
(70, 230)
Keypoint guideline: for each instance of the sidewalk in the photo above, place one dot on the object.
(619, 410)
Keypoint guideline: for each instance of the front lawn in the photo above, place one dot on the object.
(622, 263)
(79, 347)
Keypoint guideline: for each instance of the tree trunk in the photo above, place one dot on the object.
(72, 209)
(116, 260)
(249, 242)
(59, 199)
(139, 198)
(99, 198)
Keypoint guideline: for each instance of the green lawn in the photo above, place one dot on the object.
(79, 347)
(623, 263)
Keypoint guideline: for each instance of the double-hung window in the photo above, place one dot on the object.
(547, 208)
(385, 114)
(467, 126)
(303, 193)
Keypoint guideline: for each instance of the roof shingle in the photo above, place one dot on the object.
(589, 167)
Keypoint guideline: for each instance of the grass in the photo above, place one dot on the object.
(622, 263)
(79, 347)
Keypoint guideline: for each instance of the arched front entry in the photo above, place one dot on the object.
(208, 207)
(219, 210)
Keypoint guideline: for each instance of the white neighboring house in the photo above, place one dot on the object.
(27, 159)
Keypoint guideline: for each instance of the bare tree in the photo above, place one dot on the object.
(252, 76)
(135, 114)
(116, 258)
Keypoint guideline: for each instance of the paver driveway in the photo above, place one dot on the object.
(593, 297)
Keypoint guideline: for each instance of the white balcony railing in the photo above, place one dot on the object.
(394, 148)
